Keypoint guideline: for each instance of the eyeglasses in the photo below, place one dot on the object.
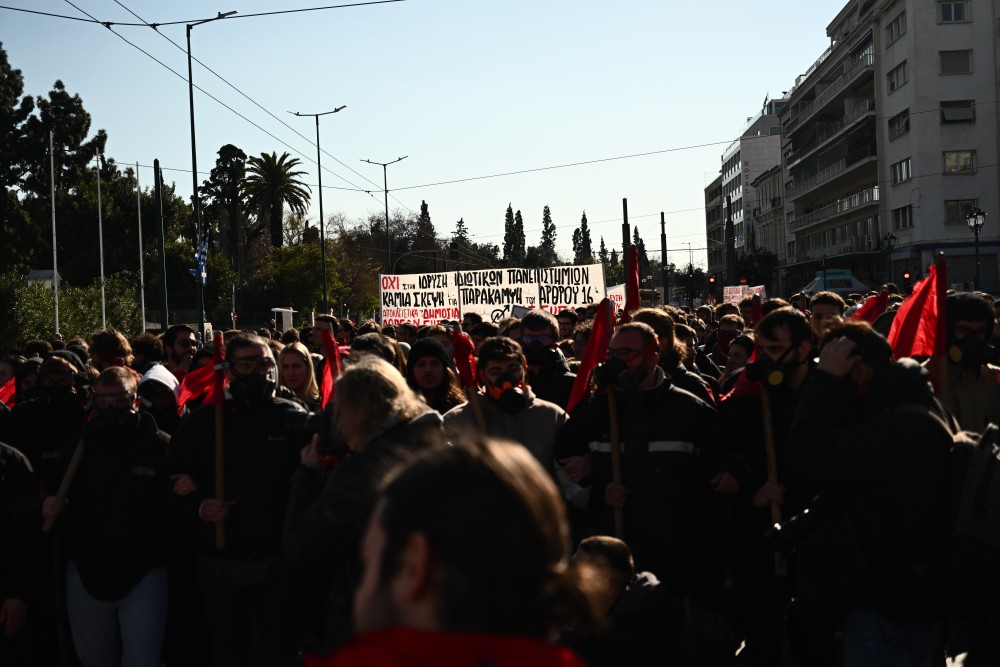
(544, 339)
(112, 399)
(623, 353)
(251, 365)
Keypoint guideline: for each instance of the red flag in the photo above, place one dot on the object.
(920, 326)
(632, 302)
(208, 381)
(593, 354)
(744, 386)
(332, 367)
(872, 308)
(465, 357)
(7, 393)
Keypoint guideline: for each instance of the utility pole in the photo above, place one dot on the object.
(158, 190)
(663, 258)
(322, 220)
(199, 280)
(385, 180)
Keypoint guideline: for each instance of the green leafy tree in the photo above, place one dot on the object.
(519, 240)
(641, 247)
(758, 267)
(583, 251)
(603, 254)
(273, 182)
(226, 207)
(425, 246)
(547, 248)
(509, 238)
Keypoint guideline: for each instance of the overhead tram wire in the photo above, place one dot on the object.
(250, 99)
(108, 24)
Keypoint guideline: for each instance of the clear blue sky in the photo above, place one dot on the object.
(463, 87)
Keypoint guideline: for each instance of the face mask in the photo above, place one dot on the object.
(773, 373)
(165, 416)
(724, 338)
(113, 419)
(626, 375)
(251, 388)
(967, 352)
(508, 393)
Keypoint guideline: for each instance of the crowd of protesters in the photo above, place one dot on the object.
(760, 484)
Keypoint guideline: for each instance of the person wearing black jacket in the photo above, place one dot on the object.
(114, 528)
(865, 439)
(19, 506)
(548, 373)
(672, 461)
(245, 583)
(380, 424)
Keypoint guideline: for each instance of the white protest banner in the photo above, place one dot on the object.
(736, 293)
(617, 296)
(419, 298)
(493, 292)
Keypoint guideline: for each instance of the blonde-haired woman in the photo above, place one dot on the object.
(296, 373)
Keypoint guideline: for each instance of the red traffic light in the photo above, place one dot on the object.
(711, 279)
(906, 275)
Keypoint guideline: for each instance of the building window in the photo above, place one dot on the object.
(900, 171)
(953, 12)
(956, 62)
(895, 29)
(897, 77)
(902, 218)
(959, 162)
(956, 210)
(899, 124)
(960, 111)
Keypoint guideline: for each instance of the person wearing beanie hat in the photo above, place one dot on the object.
(429, 373)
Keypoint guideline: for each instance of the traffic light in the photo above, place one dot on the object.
(906, 275)
(711, 280)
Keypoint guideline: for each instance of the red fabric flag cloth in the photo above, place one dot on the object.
(594, 353)
(872, 308)
(332, 367)
(744, 386)
(632, 301)
(7, 393)
(465, 357)
(920, 326)
(208, 381)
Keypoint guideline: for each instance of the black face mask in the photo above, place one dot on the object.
(540, 355)
(114, 420)
(507, 392)
(165, 416)
(616, 371)
(968, 352)
(773, 373)
(252, 388)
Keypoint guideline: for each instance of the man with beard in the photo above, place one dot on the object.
(973, 391)
(730, 326)
(245, 583)
(784, 345)
(671, 463)
(179, 345)
(548, 372)
(114, 529)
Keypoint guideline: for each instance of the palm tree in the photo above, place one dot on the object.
(271, 183)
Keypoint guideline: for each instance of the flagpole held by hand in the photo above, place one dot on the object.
(771, 457)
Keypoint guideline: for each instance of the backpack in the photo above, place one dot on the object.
(965, 571)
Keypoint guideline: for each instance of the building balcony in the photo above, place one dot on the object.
(857, 245)
(847, 204)
(825, 132)
(864, 156)
(865, 63)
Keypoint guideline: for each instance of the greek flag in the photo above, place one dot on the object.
(200, 258)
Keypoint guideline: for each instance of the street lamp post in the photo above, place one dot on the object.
(975, 220)
(194, 170)
(888, 243)
(322, 220)
(385, 180)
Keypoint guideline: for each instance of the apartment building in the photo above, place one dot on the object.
(888, 141)
(757, 150)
